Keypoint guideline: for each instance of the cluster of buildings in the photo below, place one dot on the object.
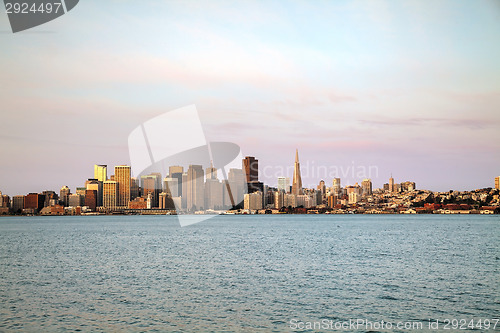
(202, 191)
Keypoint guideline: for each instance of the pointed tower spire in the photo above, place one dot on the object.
(297, 179)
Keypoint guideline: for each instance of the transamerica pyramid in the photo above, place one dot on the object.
(297, 179)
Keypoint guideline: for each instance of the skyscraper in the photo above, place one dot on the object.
(392, 188)
(110, 194)
(366, 186)
(211, 172)
(284, 184)
(101, 172)
(336, 186)
(497, 182)
(151, 186)
(195, 188)
(322, 187)
(134, 188)
(251, 169)
(171, 186)
(64, 195)
(297, 179)
(122, 178)
(176, 172)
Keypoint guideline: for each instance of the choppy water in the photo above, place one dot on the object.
(252, 273)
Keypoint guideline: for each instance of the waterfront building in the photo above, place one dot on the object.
(252, 201)
(17, 204)
(34, 202)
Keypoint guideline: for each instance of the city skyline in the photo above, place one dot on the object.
(411, 88)
(100, 173)
(241, 191)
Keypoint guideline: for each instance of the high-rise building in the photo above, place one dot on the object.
(336, 186)
(122, 178)
(171, 186)
(81, 191)
(211, 172)
(94, 185)
(4, 200)
(151, 185)
(195, 188)
(284, 184)
(165, 201)
(392, 188)
(251, 169)
(235, 188)
(497, 182)
(175, 169)
(366, 186)
(75, 200)
(252, 201)
(34, 202)
(17, 204)
(184, 190)
(101, 172)
(213, 194)
(51, 198)
(64, 195)
(279, 199)
(322, 187)
(297, 179)
(176, 172)
(134, 188)
(91, 199)
(110, 194)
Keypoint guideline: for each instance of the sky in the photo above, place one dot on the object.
(408, 88)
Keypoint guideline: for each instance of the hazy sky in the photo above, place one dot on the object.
(408, 87)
